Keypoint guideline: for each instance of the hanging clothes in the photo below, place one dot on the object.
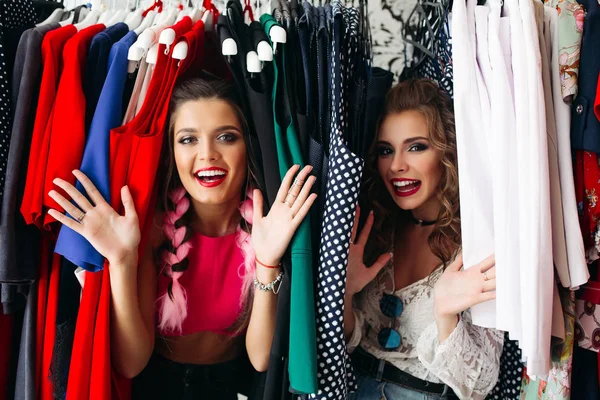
(335, 374)
(15, 18)
(303, 353)
(585, 127)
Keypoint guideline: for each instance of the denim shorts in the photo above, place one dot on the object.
(370, 388)
(166, 379)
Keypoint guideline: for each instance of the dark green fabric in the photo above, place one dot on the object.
(303, 347)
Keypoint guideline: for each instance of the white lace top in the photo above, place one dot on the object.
(468, 361)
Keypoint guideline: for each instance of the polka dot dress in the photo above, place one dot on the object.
(511, 371)
(14, 14)
(343, 184)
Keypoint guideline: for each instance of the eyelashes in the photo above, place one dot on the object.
(223, 138)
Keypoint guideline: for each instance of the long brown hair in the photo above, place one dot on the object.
(425, 97)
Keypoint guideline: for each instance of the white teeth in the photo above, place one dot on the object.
(211, 173)
(404, 183)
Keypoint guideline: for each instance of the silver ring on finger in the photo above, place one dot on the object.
(81, 217)
(298, 182)
(286, 201)
(485, 277)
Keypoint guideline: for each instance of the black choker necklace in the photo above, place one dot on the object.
(420, 222)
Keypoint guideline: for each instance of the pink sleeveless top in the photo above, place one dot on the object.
(213, 284)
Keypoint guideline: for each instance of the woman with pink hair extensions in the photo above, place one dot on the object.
(204, 293)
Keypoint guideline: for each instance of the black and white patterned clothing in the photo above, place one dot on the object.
(508, 386)
(343, 184)
(15, 17)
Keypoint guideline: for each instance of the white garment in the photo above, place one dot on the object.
(475, 183)
(536, 256)
(505, 169)
(518, 68)
(559, 244)
(468, 360)
(578, 270)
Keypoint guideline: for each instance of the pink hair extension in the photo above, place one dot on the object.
(173, 308)
(245, 244)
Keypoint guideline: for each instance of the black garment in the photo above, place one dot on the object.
(378, 85)
(15, 17)
(66, 319)
(128, 90)
(77, 11)
(45, 8)
(97, 67)
(508, 386)
(343, 185)
(585, 127)
(19, 242)
(232, 26)
(166, 379)
(584, 375)
(25, 383)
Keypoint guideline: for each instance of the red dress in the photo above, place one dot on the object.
(52, 50)
(64, 128)
(90, 372)
(67, 138)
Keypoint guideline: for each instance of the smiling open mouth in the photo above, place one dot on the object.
(211, 177)
(406, 187)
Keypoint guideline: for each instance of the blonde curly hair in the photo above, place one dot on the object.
(425, 97)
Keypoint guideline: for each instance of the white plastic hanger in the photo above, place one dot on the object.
(253, 64)
(89, 20)
(208, 19)
(196, 13)
(152, 56)
(146, 22)
(117, 17)
(278, 35)
(264, 51)
(106, 15)
(134, 19)
(180, 50)
(54, 17)
(69, 20)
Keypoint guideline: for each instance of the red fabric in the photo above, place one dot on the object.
(43, 282)
(597, 102)
(67, 137)
(81, 359)
(90, 377)
(213, 285)
(46, 386)
(6, 338)
(587, 186)
(157, 4)
(52, 48)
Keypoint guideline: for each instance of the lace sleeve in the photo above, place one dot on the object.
(359, 323)
(468, 360)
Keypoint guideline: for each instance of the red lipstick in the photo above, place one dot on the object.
(210, 177)
(405, 187)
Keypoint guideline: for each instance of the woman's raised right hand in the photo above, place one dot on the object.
(358, 274)
(114, 236)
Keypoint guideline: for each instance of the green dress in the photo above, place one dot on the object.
(303, 346)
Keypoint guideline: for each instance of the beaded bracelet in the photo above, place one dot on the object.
(270, 286)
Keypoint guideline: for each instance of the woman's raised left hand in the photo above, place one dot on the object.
(271, 234)
(459, 289)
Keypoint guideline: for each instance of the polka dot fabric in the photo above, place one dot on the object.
(511, 372)
(14, 14)
(343, 184)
